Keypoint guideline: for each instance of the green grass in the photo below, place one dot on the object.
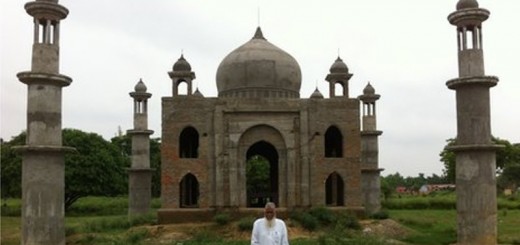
(429, 226)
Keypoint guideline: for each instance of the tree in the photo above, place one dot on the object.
(11, 167)
(124, 144)
(506, 157)
(97, 168)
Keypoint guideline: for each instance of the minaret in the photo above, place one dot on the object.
(338, 75)
(475, 152)
(43, 167)
(370, 171)
(140, 173)
(181, 72)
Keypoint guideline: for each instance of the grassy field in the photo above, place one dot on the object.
(100, 220)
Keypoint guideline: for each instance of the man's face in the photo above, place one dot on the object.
(269, 213)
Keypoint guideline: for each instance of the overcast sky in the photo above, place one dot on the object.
(405, 48)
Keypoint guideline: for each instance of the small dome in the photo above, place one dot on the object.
(339, 66)
(369, 90)
(258, 69)
(197, 93)
(316, 94)
(181, 65)
(466, 4)
(140, 87)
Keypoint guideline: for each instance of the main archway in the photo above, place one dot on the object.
(261, 174)
(263, 143)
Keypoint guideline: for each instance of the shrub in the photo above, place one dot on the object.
(136, 236)
(222, 218)
(347, 220)
(308, 221)
(381, 214)
(323, 215)
(246, 223)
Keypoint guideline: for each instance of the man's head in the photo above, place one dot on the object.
(270, 210)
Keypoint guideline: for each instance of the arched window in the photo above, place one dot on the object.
(333, 142)
(182, 87)
(189, 143)
(189, 192)
(339, 89)
(334, 190)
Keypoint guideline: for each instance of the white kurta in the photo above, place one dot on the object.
(263, 235)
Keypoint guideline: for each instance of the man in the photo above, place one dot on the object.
(269, 230)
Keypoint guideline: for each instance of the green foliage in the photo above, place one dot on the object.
(97, 169)
(381, 214)
(348, 221)
(257, 174)
(308, 221)
(432, 226)
(124, 144)
(11, 167)
(246, 223)
(322, 214)
(222, 218)
(507, 162)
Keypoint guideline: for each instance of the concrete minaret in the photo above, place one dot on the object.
(140, 174)
(370, 171)
(338, 75)
(475, 152)
(43, 167)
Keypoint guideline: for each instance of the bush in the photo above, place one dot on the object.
(308, 221)
(323, 215)
(246, 223)
(382, 214)
(222, 218)
(347, 220)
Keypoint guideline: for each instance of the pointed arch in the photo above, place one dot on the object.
(189, 143)
(189, 191)
(183, 87)
(334, 190)
(333, 142)
(339, 89)
(261, 174)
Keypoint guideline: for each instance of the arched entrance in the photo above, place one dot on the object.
(261, 174)
(334, 188)
(189, 192)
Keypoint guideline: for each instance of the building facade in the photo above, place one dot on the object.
(312, 146)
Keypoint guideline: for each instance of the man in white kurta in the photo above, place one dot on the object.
(269, 230)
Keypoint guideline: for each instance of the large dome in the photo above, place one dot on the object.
(259, 69)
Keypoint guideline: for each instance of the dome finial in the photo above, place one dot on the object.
(466, 4)
(259, 34)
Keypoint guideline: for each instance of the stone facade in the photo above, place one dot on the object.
(313, 145)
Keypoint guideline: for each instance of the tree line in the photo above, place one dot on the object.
(507, 162)
(97, 168)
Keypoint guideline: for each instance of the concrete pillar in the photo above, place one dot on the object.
(475, 152)
(43, 168)
(140, 173)
(370, 171)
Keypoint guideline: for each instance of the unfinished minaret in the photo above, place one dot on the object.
(474, 149)
(43, 167)
(140, 174)
(370, 171)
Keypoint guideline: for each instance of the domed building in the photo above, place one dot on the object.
(258, 141)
